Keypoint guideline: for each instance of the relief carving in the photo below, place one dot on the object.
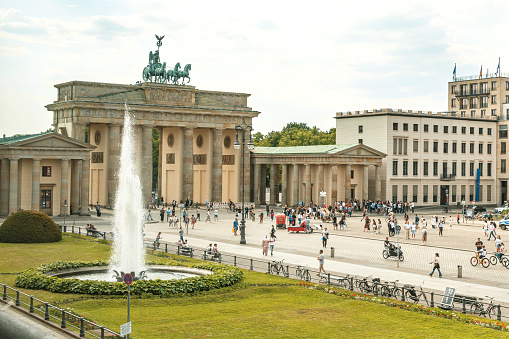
(228, 159)
(170, 158)
(175, 97)
(97, 157)
(199, 159)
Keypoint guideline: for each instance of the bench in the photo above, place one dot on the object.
(185, 251)
(210, 256)
(93, 233)
(336, 280)
(458, 298)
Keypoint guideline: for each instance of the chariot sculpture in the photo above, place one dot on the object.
(158, 73)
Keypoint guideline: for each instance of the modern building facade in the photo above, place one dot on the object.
(431, 158)
(475, 96)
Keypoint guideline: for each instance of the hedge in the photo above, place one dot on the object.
(35, 278)
(29, 227)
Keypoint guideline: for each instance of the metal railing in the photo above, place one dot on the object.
(484, 76)
(86, 232)
(57, 315)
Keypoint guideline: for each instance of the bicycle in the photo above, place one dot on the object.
(477, 308)
(413, 294)
(391, 291)
(303, 273)
(277, 267)
(364, 286)
(485, 262)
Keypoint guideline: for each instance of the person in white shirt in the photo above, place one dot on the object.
(450, 222)
(436, 266)
(407, 229)
(413, 230)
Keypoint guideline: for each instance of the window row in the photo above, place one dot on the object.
(446, 171)
(441, 194)
(400, 147)
(445, 129)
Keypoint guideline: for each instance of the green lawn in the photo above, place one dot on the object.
(248, 310)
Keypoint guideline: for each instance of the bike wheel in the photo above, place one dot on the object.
(344, 283)
(307, 276)
(485, 262)
(474, 261)
(384, 291)
(410, 297)
(385, 254)
(396, 293)
(491, 312)
(493, 260)
(476, 309)
(505, 262)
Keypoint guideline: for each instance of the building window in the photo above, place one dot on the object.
(426, 128)
(361, 141)
(416, 127)
(453, 89)
(488, 149)
(502, 166)
(453, 193)
(394, 168)
(463, 147)
(394, 146)
(494, 85)
(489, 131)
(435, 146)
(395, 126)
(435, 168)
(494, 112)
(425, 193)
(507, 99)
(352, 173)
(483, 113)
(471, 169)
(502, 131)
(45, 197)
(463, 130)
(454, 147)
(415, 169)
(484, 102)
(463, 114)
(435, 193)
(435, 128)
(360, 129)
(507, 85)
(472, 130)
(472, 148)
(481, 166)
(453, 102)
(405, 193)
(454, 168)
(480, 148)
(46, 171)
(480, 130)
(454, 129)
(425, 168)
(415, 190)
(463, 169)
(471, 196)
(394, 192)
(446, 147)
(472, 114)
(463, 103)
(488, 192)
(426, 143)
(473, 102)
(503, 147)
(488, 169)
(463, 192)
(405, 167)
(444, 169)
(493, 99)
(405, 127)
(405, 146)
(416, 146)
(446, 129)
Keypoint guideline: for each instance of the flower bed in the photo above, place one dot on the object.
(35, 278)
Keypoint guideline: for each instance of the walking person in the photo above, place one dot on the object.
(158, 239)
(440, 227)
(261, 217)
(265, 245)
(208, 216)
(98, 209)
(235, 226)
(181, 233)
(325, 237)
(216, 215)
(407, 229)
(492, 231)
(193, 221)
(436, 266)
(321, 260)
(198, 214)
(424, 234)
(161, 214)
(272, 242)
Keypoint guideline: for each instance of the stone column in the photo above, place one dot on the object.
(320, 184)
(334, 184)
(272, 180)
(75, 185)
(160, 165)
(307, 183)
(13, 186)
(296, 184)
(378, 182)
(114, 163)
(85, 175)
(348, 182)
(257, 188)
(36, 184)
(284, 184)
(146, 167)
(4, 187)
(365, 177)
(263, 183)
(217, 165)
(64, 187)
(187, 162)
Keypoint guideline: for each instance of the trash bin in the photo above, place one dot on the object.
(460, 271)
(332, 252)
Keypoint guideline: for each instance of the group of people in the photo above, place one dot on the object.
(269, 242)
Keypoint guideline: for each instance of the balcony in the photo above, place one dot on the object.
(447, 177)
(460, 94)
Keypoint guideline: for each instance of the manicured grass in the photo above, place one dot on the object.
(261, 306)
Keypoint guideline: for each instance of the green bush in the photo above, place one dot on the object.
(35, 278)
(29, 227)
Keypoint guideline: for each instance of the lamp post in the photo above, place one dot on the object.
(243, 127)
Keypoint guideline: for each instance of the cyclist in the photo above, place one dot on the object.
(483, 253)
(502, 252)
(478, 245)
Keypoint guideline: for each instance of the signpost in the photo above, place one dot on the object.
(448, 298)
(125, 329)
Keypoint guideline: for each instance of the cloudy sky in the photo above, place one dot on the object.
(300, 61)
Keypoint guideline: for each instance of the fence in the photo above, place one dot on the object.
(54, 314)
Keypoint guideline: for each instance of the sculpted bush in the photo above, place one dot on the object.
(29, 227)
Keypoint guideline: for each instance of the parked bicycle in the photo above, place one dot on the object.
(391, 290)
(368, 287)
(414, 294)
(303, 273)
(276, 267)
(485, 262)
(478, 309)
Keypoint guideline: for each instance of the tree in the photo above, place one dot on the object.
(295, 134)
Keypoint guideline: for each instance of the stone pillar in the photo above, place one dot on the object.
(247, 172)
(146, 167)
(273, 176)
(296, 185)
(187, 165)
(378, 182)
(365, 177)
(64, 187)
(257, 189)
(284, 184)
(4, 187)
(263, 183)
(217, 166)
(36, 184)
(13, 186)
(307, 183)
(348, 182)
(320, 184)
(334, 184)
(75, 185)
(114, 163)
(160, 165)
(85, 175)
(78, 131)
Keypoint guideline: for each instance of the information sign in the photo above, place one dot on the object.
(125, 329)
(448, 298)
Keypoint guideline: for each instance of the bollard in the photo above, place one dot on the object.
(31, 304)
(4, 296)
(375, 288)
(460, 271)
(166, 248)
(46, 311)
(178, 250)
(205, 255)
(82, 327)
(402, 294)
(251, 265)
(328, 278)
(79, 230)
(432, 302)
(234, 260)
(102, 332)
(268, 267)
(351, 283)
(332, 252)
(191, 254)
(63, 319)
(17, 299)
(287, 273)
(499, 313)
(104, 235)
(155, 245)
(73, 229)
(65, 228)
(464, 307)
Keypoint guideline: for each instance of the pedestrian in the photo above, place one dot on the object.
(498, 243)
(407, 229)
(208, 216)
(272, 242)
(265, 245)
(235, 226)
(216, 215)
(492, 231)
(413, 230)
(436, 266)
(149, 214)
(162, 213)
(321, 260)
(193, 221)
(273, 231)
(440, 227)
(424, 234)
(98, 209)
(267, 209)
(261, 216)
(198, 214)
(325, 237)
(458, 218)
(450, 222)
(181, 233)
(158, 239)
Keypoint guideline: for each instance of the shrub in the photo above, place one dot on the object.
(29, 227)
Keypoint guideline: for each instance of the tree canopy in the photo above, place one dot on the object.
(295, 134)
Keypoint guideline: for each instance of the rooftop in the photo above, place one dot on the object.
(386, 111)
(476, 77)
(313, 149)
(16, 138)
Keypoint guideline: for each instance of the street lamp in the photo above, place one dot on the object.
(243, 128)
